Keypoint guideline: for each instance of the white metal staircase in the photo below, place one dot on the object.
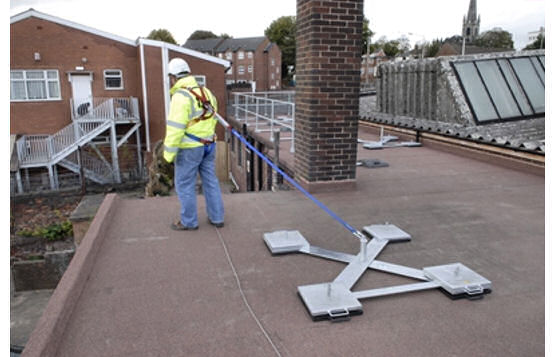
(94, 169)
(61, 147)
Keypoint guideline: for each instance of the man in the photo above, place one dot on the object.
(189, 142)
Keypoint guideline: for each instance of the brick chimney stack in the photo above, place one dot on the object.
(328, 65)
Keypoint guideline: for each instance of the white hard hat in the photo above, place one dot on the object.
(178, 67)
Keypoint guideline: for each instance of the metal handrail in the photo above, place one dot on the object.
(260, 110)
(42, 149)
(119, 108)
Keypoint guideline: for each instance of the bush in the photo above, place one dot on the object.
(53, 232)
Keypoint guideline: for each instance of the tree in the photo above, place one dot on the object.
(282, 32)
(366, 35)
(162, 35)
(432, 48)
(495, 39)
(537, 44)
(390, 48)
(202, 35)
(225, 36)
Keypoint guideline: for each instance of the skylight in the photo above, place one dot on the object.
(504, 88)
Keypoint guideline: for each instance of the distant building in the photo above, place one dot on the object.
(456, 49)
(471, 23)
(532, 36)
(255, 60)
(369, 65)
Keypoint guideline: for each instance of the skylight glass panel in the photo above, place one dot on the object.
(538, 67)
(498, 89)
(515, 87)
(530, 81)
(476, 91)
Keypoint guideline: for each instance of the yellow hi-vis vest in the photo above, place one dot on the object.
(184, 110)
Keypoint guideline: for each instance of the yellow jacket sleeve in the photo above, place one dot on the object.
(180, 112)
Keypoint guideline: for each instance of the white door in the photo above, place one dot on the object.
(82, 94)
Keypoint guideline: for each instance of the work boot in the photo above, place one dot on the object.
(217, 225)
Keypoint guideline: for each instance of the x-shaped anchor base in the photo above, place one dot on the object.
(335, 301)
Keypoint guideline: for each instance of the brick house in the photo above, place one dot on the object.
(74, 86)
(255, 60)
(369, 65)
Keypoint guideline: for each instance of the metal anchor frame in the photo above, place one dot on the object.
(336, 301)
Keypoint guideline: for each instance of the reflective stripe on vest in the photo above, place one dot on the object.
(175, 124)
(169, 149)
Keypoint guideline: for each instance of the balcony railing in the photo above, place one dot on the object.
(120, 109)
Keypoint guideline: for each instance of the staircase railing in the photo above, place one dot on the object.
(94, 168)
(37, 150)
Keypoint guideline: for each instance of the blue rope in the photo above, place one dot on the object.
(298, 186)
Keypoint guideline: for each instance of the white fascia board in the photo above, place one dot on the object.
(185, 51)
(33, 13)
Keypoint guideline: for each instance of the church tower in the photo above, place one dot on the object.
(471, 23)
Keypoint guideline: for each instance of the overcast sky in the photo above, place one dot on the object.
(426, 19)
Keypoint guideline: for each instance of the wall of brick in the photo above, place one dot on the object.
(328, 66)
(62, 48)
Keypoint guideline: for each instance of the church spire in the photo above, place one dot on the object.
(471, 23)
(472, 13)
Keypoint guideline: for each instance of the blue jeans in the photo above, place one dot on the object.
(188, 162)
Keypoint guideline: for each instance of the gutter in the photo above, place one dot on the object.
(145, 98)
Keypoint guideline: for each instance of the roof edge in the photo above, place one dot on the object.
(40, 15)
(186, 51)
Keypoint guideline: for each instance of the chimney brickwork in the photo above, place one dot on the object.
(328, 74)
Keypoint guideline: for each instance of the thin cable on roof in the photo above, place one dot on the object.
(266, 335)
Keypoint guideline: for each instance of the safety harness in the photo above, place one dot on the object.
(208, 112)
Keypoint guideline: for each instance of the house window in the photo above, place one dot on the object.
(230, 71)
(272, 76)
(220, 55)
(240, 55)
(201, 80)
(31, 85)
(113, 79)
(277, 70)
(240, 70)
(228, 55)
(272, 62)
(249, 54)
(250, 68)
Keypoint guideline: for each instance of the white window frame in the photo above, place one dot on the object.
(240, 70)
(229, 55)
(201, 80)
(240, 54)
(250, 54)
(109, 76)
(46, 81)
(250, 68)
(272, 62)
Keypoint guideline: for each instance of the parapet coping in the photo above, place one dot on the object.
(44, 340)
